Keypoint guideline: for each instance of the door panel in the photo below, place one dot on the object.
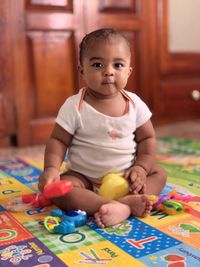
(52, 56)
(45, 63)
(7, 108)
(46, 38)
(50, 3)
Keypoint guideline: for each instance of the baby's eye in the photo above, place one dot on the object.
(118, 65)
(97, 65)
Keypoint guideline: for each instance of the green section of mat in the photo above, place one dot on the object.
(178, 146)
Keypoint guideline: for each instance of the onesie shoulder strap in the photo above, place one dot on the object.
(124, 93)
(81, 98)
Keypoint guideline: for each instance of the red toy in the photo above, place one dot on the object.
(53, 190)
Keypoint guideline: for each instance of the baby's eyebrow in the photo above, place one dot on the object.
(101, 58)
(95, 58)
(119, 59)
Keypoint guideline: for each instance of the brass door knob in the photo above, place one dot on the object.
(195, 95)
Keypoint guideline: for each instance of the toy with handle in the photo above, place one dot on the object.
(53, 190)
(65, 222)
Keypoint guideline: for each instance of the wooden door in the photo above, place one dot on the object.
(175, 79)
(45, 40)
(7, 107)
(39, 57)
(46, 35)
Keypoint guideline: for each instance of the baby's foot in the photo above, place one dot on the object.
(141, 205)
(112, 213)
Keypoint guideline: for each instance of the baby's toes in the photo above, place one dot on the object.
(98, 220)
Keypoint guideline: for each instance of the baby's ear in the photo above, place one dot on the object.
(130, 71)
(80, 69)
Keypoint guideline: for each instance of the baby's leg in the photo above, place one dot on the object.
(140, 205)
(106, 213)
(156, 180)
(81, 197)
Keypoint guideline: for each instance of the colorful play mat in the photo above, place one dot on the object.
(158, 240)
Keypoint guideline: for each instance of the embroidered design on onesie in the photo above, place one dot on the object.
(114, 134)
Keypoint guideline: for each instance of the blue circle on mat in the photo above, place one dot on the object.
(45, 258)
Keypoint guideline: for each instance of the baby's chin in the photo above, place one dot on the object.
(106, 91)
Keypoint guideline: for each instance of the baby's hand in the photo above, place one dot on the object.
(137, 177)
(48, 176)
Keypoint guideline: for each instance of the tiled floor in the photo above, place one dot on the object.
(188, 129)
(14, 151)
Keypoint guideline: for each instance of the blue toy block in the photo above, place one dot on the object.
(78, 217)
(69, 221)
(65, 227)
(57, 213)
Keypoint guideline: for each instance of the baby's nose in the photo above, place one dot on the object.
(108, 71)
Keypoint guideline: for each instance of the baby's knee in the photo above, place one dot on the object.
(76, 182)
(162, 173)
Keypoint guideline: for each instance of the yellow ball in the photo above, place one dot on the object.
(114, 186)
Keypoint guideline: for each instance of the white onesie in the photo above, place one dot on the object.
(100, 143)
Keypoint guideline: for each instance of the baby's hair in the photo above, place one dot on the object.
(99, 35)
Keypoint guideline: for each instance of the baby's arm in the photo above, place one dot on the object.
(54, 155)
(145, 156)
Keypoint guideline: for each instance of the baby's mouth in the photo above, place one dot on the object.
(108, 82)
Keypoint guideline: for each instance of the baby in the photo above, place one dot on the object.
(103, 129)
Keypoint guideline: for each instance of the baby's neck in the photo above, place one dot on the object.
(98, 96)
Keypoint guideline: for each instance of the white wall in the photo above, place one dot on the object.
(184, 25)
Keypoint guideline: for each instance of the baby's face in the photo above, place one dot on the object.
(106, 66)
